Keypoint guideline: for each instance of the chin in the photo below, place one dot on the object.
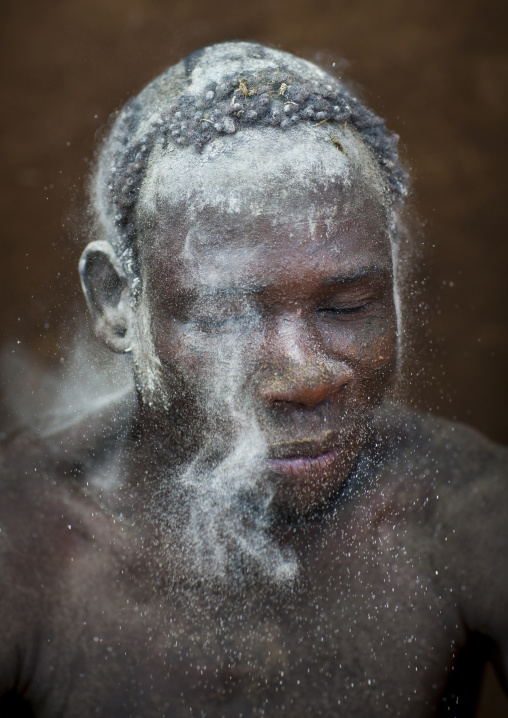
(306, 484)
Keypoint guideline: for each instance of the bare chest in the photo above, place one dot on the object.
(363, 630)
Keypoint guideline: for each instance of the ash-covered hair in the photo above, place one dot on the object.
(219, 90)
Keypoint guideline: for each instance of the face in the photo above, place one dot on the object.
(272, 312)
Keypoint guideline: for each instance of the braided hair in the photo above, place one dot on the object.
(219, 90)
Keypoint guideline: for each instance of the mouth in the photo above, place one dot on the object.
(303, 462)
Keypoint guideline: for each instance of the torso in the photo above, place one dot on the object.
(372, 626)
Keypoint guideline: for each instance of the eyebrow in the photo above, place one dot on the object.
(239, 291)
(222, 292)
(369, 273)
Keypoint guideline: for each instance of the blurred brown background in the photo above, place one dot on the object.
(438, 71)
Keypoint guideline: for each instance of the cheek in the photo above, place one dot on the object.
(371, 343)
(379, 344)
(203, 360)
(176, 352)
(379, 360)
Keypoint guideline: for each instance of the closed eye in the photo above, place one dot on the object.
(210, 325)
(344, 310)
(218, 324)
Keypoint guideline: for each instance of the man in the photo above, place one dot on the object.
(263, 533)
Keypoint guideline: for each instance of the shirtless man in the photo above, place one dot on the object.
(261, 532)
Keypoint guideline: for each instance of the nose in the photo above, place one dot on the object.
(296, 371)
(306, 385)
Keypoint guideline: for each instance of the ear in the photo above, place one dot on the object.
(107, 294)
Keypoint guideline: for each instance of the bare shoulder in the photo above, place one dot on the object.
(41, 483)
(442, 455)
(49, 533)
(450, 472)
(442, 477)
(453, 482)
(41, 486)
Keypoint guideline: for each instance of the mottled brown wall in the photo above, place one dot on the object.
(437, 70)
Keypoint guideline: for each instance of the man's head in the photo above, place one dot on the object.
(247, 263)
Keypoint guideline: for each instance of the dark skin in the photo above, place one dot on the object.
(400, 538)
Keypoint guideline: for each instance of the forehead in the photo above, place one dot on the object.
(257, 170)
(261, 199)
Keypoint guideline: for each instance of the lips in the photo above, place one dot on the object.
(303, 462)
